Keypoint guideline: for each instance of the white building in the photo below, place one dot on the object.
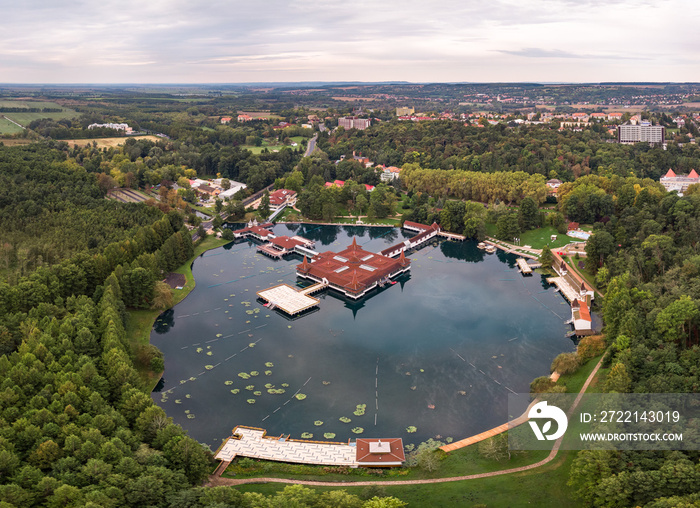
(116, 126)
(680, 183)
(235, 187)
(352, 122)
(644, 132)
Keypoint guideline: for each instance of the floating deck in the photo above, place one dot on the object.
(288, 299)
(525, 269)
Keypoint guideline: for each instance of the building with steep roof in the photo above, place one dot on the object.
(680, 183)
(353, 271)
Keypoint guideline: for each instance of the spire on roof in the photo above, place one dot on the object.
(670, 174)
(305, 265)
(402, 259)
(693, 174)
(354, 245)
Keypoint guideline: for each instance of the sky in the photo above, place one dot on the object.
(189, 41)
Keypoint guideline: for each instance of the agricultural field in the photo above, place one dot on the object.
(7, 127)
(28, 117)
(108, 142)
(127, 196)
(259, 114)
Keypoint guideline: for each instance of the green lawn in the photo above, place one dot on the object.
(538, 238)
(271, 147)
(544, 486)
(574, 382)
(7, 127)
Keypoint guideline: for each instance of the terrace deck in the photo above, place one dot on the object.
(288, 299)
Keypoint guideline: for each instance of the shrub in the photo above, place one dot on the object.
(541, 384)
(590, 347)
(566, 363)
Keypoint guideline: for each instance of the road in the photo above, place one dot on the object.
(311, 145)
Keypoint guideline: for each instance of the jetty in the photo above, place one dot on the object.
(524, 267)
(255, 443)
(289, 299)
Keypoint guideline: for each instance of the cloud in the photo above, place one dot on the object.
(557, 53)
(176, 40)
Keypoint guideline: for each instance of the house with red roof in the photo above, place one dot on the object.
(282, 197)
(379, 452)
(225, 119)
(581, 318)
(244, 118)
(679, 183)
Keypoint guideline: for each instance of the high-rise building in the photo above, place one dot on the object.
(644, 132)
(352, 122)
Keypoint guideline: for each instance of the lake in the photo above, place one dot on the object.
(435, 355)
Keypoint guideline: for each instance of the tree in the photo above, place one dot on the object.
(508, 227)
(495, 448)
(600, 245)
(546, 257)
(264, 206)
(162, 296)
(618, 379)
(673, 322)
(528, 214)
(225, 183)
(566, 363)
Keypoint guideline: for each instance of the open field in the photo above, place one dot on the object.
(28, 117)
(7, 127)
(258, 114)
(16, 141)
(108, 142)
(259, 149)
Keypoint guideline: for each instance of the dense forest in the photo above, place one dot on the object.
(535, 149)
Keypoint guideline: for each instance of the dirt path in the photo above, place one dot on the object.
(215, 481)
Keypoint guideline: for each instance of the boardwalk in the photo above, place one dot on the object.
(255, 444)
(489, 433)
(525, 269)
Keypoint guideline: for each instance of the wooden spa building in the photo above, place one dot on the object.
(353, 271)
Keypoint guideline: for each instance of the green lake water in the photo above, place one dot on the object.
(439, 351)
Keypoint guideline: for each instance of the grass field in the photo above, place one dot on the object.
(108, 142)
(27, 118)
(259, 149)
(7, 127)
(16, 141)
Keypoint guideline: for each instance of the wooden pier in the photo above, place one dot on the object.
(289, 299)
(525, 269)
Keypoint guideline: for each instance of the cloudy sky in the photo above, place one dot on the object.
(190, 41)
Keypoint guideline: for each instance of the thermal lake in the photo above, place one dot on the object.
(438, 352)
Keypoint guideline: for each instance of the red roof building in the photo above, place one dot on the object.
(353, 271)
(380, 452)
(282, 197)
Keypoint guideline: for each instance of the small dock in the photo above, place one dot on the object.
(289, 299)
(525, 269)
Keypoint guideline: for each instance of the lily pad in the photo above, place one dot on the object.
(411, 429)
(244, 375)
(254, 372)
(306, 435)
(227, 383)
(269, 364)
(329, 435)
(208, 367)
(235, 391)
(344, 419)
(250, 401)
(300, 396)
(318, 423)
(268, 372)
(358, 430)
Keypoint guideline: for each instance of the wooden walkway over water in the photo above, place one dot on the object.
(489, 433)
(288, 299)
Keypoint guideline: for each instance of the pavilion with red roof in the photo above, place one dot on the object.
(353, 271)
